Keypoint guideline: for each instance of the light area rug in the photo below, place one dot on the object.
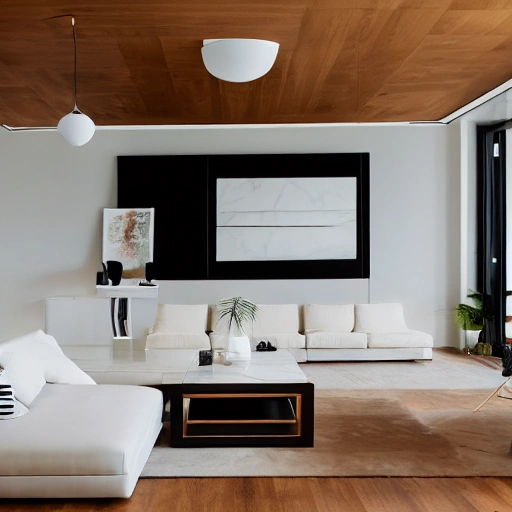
(377, 419)
(383, 432)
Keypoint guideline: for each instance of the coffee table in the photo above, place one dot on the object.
(264, 401)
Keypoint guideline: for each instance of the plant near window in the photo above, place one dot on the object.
(470, 318)
(473, 318)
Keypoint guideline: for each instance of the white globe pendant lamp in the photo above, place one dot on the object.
(76, 127)
(239, 60)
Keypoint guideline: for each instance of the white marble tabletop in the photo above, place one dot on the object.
(262, 367)
(178, 366)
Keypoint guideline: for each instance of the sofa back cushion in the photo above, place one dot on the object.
(57, 367)
(270, 319)
(177, 318)
(329, 317)
(276, 318)
(386, 317)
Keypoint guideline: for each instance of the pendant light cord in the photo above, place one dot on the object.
(75, 108)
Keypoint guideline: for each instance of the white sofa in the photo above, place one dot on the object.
(77, 439)
(277, 323)
(362, 332)
(332, 332)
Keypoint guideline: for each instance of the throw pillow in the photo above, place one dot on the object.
(26, 375)
(10, 408)
(58, 369)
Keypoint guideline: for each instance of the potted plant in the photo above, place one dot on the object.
(471, 320)
(236, 314)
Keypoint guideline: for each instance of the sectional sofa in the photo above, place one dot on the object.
(313, 332)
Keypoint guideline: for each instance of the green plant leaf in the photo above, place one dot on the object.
(239, 310)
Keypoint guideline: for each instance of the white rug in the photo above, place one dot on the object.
(376, 419)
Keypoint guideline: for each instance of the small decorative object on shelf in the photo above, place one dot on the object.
(115, 271)
(102, 277)
(150, 275)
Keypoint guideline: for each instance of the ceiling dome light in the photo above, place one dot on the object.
(76, 128)
(239, 60)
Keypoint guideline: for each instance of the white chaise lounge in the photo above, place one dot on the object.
(77, 439)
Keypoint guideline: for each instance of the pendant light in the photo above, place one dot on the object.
(239, 60)
(76, 128)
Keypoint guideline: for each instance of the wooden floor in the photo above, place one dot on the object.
(296, 495)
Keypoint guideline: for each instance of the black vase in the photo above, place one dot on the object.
(115, 271)
(150, 271)
(102, 277)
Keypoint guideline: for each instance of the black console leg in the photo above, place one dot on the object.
(507, 361)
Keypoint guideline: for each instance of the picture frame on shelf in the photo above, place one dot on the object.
(128, 237)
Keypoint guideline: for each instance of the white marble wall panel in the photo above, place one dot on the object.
(286, 194)
(266, 219)
(286, 243)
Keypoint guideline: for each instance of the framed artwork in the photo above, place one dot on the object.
(128, 235)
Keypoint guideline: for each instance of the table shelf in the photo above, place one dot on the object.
(235, 415)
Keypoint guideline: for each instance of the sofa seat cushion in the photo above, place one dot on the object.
(329, 317)
(409, 339)
(281, 340)
(336, 340)
(177, 340)
(81, 430)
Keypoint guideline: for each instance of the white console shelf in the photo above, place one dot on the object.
(127, 291)
(117, 316)
(121, 309)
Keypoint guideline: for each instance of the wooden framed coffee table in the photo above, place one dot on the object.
(264, 401)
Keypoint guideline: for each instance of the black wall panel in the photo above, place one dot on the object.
(182, 189)
(175, 186)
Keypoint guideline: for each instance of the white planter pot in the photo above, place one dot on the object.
(471, 338)
(239, 347)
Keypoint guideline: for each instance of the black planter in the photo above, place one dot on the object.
(115, 271)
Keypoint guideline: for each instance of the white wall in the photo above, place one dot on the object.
(52, 196)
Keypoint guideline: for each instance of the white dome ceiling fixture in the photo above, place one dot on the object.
(76, 128)
(239, 60)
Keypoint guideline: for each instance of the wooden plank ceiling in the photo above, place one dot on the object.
(139, 62)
